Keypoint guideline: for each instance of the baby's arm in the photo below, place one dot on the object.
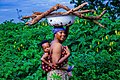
(65, 57)
(43, 59)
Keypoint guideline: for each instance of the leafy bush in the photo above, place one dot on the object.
(95, 51)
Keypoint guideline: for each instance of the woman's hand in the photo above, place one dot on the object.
(54, 66)
(50, 64)
(67, 50)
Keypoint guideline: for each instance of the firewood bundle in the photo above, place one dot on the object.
(37, 16)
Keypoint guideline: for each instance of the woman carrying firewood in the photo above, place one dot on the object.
(60, 34)
(56, 49)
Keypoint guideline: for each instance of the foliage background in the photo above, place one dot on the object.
(95, 51)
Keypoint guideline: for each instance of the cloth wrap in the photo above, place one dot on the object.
(57, 29)
(47, 68)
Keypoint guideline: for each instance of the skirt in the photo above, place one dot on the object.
(57, 75)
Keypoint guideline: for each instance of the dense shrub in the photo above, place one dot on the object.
(95, 51)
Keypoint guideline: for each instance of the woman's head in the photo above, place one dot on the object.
(59, 33)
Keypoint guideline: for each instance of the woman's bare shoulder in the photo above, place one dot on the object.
(56, 44)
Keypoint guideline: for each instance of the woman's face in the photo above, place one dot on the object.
(61, 36)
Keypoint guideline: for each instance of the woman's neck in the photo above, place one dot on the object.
(56, 40)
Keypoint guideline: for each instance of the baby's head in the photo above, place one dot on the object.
(45, 46)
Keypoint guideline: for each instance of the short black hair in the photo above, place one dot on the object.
(44, 41)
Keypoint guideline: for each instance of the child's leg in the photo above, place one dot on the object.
(67, 68)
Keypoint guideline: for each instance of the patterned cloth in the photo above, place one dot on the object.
(47, 68)
(57, 75)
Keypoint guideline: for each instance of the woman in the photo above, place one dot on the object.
(56, 49)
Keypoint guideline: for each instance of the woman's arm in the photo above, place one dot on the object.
(66, 56)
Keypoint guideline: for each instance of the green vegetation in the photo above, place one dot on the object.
(95, 51)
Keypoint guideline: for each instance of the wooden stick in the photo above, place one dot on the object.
(86, 11)
(75, 9)
(99, 24)
(102, 13)
(93, 17)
